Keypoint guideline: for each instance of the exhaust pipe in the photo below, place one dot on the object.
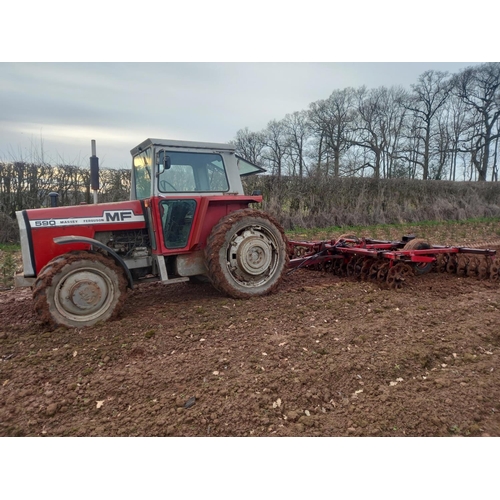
(94, 172)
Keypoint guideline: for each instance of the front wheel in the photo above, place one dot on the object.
(246, 254)
(79, 289)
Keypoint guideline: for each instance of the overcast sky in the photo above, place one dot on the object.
(66, 105)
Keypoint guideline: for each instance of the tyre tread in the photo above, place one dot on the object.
(214, 245)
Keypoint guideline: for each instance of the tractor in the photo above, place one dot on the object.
(188, 218)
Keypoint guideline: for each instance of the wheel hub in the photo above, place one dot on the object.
(83, 293)
(251, 256)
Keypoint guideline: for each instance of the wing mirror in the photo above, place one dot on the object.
(162, 161)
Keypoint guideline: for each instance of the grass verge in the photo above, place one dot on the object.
(436, 232)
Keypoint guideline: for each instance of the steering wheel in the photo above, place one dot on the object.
(164, 184)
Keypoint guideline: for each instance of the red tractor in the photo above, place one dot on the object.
(187, 219)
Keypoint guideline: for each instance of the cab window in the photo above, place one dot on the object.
(246, 167)
(190, 172)
(142, 174)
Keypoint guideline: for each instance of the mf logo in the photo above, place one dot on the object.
(118, 216)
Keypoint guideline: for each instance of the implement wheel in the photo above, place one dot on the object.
(419, 267)
(79, 289)
(246, 254)
(365, 268)
(354, 266)
(398, 274)
(494, 271)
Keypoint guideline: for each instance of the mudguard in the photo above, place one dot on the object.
(64, 240)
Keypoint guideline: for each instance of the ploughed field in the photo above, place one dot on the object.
(323, 356)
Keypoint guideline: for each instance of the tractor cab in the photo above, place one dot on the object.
(178, 180)
(169, 168)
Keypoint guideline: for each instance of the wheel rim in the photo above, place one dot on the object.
(252, 256)
(84, 294)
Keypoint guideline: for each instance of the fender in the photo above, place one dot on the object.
(64, 240)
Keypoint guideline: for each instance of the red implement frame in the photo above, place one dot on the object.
(372, 255)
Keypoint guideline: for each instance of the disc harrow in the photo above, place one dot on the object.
(391, 263)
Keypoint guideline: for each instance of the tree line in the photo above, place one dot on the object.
(446, 127)
(26, 185)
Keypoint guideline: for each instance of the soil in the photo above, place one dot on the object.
(322, 356)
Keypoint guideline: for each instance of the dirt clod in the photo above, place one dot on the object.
(51, 410)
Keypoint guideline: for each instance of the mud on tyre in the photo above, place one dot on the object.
(246, 254)
(79, 289)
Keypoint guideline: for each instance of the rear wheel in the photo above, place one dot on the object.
(246, 254)
(79, 289)
(419, 244)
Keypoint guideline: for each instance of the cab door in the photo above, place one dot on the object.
(177, 217)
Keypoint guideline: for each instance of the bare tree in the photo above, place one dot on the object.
(317, 152)
(249, 145)
(494, 170)
(367, 133)
(115, 185)
(275, 141)
(332, 120)
(429, 95)
(297, 132)
(442, 148)
(379, 121)
(456, 117)
(479, 89)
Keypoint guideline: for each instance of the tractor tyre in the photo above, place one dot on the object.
(79, 289)
(246, 254)
(419, 268)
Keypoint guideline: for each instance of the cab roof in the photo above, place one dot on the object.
(171, 143)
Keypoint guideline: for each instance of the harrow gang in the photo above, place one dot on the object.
(390, 262)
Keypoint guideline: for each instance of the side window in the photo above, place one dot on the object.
(191, 172)
(142, 174)
(247, 167)
(217, 176)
